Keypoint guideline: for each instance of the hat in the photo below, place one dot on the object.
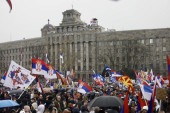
(145, 107)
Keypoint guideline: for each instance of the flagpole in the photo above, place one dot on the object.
(21, 94)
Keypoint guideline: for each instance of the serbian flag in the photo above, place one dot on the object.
(152, 100)
(3, 78)
(159, 81)
(41, 68)
(39, 86)
(168, 61)
(115, 74)
(51, 73)
(83, 87)
(125, 108)
(51, 86)
(10, 4)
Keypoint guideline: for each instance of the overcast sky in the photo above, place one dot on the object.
(29, 16)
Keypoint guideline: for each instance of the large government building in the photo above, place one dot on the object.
(86, 47)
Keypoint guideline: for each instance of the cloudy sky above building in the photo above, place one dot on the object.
(29, 16)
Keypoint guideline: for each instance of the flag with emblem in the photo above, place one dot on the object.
(126, 81)
(83, 87)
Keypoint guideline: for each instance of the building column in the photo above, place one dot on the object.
(76, 68)
(71, 57)
(56, 52)
(81, 56)
(51, 52)
(87, 61)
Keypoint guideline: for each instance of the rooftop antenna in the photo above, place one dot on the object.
(72, 4)
(48, 21)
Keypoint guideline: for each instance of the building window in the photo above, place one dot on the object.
(151, 41)
(164, 40)
(79, 68)
(164, 48)
(157, 57)
(78, 37)
(157, 49)
(68, 15)
(142, 41)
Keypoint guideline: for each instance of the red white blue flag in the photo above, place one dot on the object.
(115, 74)
(152, 100)
(51, 85)
(168, 62)
(83, 87)
(10, 4)
(41, 68)
(18, 76)
(3, 78)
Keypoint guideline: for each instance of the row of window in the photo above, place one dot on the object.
(21, 50)
(129, 42)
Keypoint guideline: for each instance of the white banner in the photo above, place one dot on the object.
(17, 76)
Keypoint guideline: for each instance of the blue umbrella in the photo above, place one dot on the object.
(8, 103)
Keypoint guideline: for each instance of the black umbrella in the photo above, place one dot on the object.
(15, 92)
(106, 102)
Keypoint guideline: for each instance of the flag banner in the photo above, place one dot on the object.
(159, 81)
(146, 91)
(126, 81)
(17, 76)
(152, 99)
(47, 58)
(10, 4)
(140, 102)
(39, 86)
(168, 62)
(105, 73)
(61, 57)
(60, 77)
(107, 68)
(83, 87)
(51, 73)
(141, 80)
(113, 79)
(98, 79)
(125, 108)
(115, 74)
(51, 86)
(3, 78)
(41, 68)
(82, 77)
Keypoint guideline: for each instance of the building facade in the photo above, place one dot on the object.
(86, 47)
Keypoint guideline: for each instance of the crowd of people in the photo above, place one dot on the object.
(68, 100)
